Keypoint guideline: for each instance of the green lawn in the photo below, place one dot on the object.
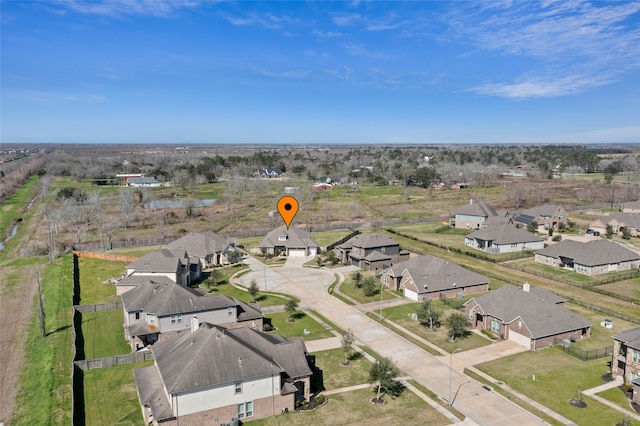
(104, 334)
(135, 251)
(401, 315)
(110, 396)
(353, 407)
(93, 274)
(264, 299)
(326, 238)
(627, 288)
(348, 288)
(618, 397)
(44, 394)
(335, 376)
(600, 336)
(558, 378)
(296, 329)
(13, 207)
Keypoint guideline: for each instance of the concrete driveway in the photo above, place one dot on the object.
(310, 286)
(486, 353)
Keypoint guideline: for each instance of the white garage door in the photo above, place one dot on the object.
(411, 294)
(297, 252)
(520, 339)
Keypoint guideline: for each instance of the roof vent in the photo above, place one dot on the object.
(240, 361)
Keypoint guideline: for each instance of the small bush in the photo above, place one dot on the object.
(490, 334)
(556, 238)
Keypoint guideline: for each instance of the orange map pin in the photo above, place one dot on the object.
(287, 207)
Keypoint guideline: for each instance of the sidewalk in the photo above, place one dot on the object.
(613, 384)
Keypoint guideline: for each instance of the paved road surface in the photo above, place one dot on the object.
(310, 286)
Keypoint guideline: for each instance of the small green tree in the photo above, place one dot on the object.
(357, 279)
(347, 345)
(457, 325)
(369, 286)
(609, 231)
(427, 315)
(384, 373)
(626, 234)
(233, 256)
(533, 226)
(291, 307)
(254, 290)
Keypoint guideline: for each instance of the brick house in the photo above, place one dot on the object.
(589, 258)
(173, 264)
(547, 216)
(158, 310)
(290, 242)
(231, 375)
(531, 316)
(625, 361)
(371, 252)
(209, 248)
(428, 277)
(619, 222)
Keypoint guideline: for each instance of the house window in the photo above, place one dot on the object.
(471, 313)
(151, 318)
(137, 315)
(635, 356)
(176, 319)
(230, 311)
(238, 387)
(495, 326)
(514, 245)
(282, 238)
(245, 410)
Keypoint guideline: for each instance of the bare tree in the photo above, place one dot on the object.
(126, 203)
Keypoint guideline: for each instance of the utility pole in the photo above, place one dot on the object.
(40, 306)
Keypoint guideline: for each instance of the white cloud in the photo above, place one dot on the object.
(115, 8)
(539, 87)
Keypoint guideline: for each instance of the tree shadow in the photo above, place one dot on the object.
(298, 315)
(355, 356)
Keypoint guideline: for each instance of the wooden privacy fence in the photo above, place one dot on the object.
(99, 307)
(113, 361)
(104, 256)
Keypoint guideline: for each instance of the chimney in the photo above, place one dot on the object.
(526, 287)
(194, 324)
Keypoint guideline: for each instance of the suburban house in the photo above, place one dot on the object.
(626, 359)
(133, 281)
(619, 222)
(173, 264)
(155, 311)
(269, 173)
(589, 258)
(547, 216)
(290, 242)
(230, 376)
(210, 248)
(631, 207)
(371, 251)
(531, 316)
(472, 215)
(503, 238)
(143, 181)
(322, 186)
(429, 277)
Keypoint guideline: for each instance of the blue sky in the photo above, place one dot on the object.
(320, 72)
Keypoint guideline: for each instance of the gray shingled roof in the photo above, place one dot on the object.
(543, 210)
(140, 280)
(540, 310)
(590, 253)
(213, 356)
(296, 238)
(166, 299)
(372, 240)
(479, 208)
(630, 337)
(151, 393)
(201, 244)
(632, 204)
(377, 256)
(437, 274)
(504, 234)
(630, 220)
(165, 260)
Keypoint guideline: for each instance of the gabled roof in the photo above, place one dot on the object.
(479, 208)
(136, 280)
(151, 392)
(630, 220)
(212, 355)
(540, 310)
(544, 210)
(202, 244)
(377, 256)
(165, 260)
(295, 238)
(168, 299)
(372, 240)
(630, 337)
(436, 274)
(631, 205)
(590, 253)
(504, 234)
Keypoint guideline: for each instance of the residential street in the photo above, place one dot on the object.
(483, 406)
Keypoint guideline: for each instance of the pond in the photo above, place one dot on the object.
(14, 231)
